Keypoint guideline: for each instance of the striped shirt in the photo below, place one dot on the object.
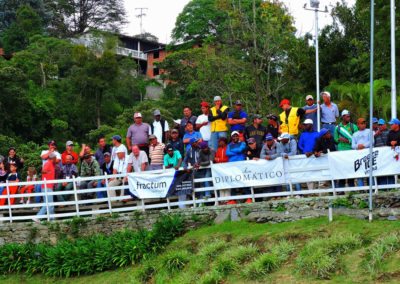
(156, 154)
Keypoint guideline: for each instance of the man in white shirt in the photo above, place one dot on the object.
(361, 140)
(202, 123)
(120, 167)
(137, 160)
(116, 140)
(52, 149)
(159, 127)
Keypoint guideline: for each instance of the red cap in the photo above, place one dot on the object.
(284, 102)
(204, 104)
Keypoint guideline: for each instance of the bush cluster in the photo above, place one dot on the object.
(92, 254)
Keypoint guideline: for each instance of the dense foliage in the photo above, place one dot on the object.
(92, 254)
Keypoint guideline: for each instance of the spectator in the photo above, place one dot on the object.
(192, 155)
(343, 136)
(176, 141)
(138, 134)
(273, 125)
(202, 123)
(3, 176)
(48, 174)
(380, 133)
(12, 177)
(118, 147)
(253, 150)
(172, 159)
(69, 150)
(156, 153)
(361, 140)
(237, 119)
(85, 149)
(290, 117)
(187, 116)
(311, 111)
(138, 160)
(269, 149)
(393, 139)
(89, 168)
(159, 127)
(308, 138)
(189, 134)
(236, 149)
(256, 130)
(13, 157)
(68, 170)
(28, 188)
(324, 143)
(218, 118)
(206, 156)
(287, 147)
(102, 148)
(329, 112)
(220, 155)
(107, 167)
(52, 149)
(344, 132)
(120, 167)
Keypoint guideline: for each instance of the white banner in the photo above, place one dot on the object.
(303, 169)
(150, 185)
(355, 164)
(248, 173)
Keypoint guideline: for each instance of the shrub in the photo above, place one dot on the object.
(212, 277)
(175, 261)
(209, 250)
(379, 251)
(319, 257)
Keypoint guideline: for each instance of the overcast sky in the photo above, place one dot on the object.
(161, 16)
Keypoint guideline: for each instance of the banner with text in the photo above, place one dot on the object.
(151, 185)
(248, 173)
(357, 164)
(303, 169)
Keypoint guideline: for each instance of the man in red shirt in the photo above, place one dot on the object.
(69, 150)
(48, 174)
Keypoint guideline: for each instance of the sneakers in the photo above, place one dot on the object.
(231, 202)
(249, 200)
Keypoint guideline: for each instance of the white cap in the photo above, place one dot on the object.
(234, 132)
(308, 121)
(325, 93)
(217, 98)
(284, 135)
(345, 112)
(177, 121)
(309, 97)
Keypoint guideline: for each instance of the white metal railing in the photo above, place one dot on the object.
(79, 205)
(131, 53)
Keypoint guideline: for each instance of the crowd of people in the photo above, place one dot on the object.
(217, 135)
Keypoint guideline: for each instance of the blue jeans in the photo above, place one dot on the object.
(296, 186)
(101, 194)
(204, 173)
(43, 210)
(330, 127)
(38, 188)
(215, 137)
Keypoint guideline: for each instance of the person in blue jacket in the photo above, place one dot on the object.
(308, 138)
(236, 149)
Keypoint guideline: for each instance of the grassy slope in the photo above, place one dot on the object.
(261, 235)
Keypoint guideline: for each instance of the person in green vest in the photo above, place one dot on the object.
(344, 132)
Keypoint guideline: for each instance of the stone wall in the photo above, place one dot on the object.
(387, 206)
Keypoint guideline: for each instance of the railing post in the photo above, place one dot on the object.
(46, 198)
(9, 201)
(333, 187)
(75, 196)
(108, 195)
(168, 204)
(252, 194)
(330, 211)
(143, 206)
(376, 185)
(291, 188)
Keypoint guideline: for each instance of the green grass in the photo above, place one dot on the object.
(239, 252)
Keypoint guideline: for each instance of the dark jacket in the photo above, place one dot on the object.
(323, 145)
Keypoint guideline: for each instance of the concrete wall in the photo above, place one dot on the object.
(387, 206)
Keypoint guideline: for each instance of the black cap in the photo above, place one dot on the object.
(272, 116)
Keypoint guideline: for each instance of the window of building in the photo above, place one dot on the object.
(156, 71)
(156, 54)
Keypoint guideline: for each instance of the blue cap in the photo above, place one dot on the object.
(381, 121)
(117, 137)
(394, 121)
(323, 131)
(374, 120)
(269, 137)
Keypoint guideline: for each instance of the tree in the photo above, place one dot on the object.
(26, 25)
(147, 36)
(75, 17)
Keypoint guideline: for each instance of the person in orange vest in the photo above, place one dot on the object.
(290, 118)
(218, 117)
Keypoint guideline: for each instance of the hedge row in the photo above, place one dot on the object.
(92, 254)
